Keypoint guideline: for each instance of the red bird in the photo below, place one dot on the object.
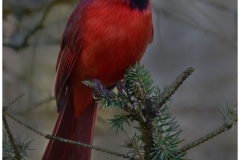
(101, 40)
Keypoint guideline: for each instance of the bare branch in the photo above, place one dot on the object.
(175, 85)
(17, 155)
(47, 136)
(20, 96)
(228, 124)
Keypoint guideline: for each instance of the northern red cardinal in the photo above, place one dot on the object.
(101, 40)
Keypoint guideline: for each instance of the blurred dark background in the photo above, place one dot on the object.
(188, 33)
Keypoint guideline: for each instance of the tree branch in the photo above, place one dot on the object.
(174, 86)
(20, 96)
(228, 124)
(50, 137)
(11, 139)
(133, 144)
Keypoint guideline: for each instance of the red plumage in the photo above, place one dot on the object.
(101, 40)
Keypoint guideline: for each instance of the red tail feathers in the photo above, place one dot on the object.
(77, 129)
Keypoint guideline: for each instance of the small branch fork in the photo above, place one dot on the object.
(11, 139)
(133, 144)
(142, 108)
(9, 133)
(150, 111)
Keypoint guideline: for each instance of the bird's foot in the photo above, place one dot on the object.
(121, 88)
(100, 89)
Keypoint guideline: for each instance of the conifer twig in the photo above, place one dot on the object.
(175, 85)
(17, 155)
(9, 133)
(139, 111)
(133, 144)
(25, 125)
(20, 96)
(228, 124)
(86, 146)
(141, 101)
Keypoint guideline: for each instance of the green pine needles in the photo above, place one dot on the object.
(166, 140)
(157, 132)
(227, 112)
(23, 147)
(136, 77)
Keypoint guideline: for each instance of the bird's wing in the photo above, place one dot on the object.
(70, 49)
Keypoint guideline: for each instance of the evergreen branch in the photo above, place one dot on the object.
(140, 95)
(137, 74)
(22, 145)
(139, 111)
(11, 139)
(174, 86)
(50, 137)
(86, 146)
(118, 121)
(227, 112)
(142, 106)
(133, 144)
(20, 96)
(9, 133)
(113, 101)
(228, 124)
(23, 124)
(166, 137)
(147, 130)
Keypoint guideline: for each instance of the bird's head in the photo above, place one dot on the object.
(135, 4)
(139, 4)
